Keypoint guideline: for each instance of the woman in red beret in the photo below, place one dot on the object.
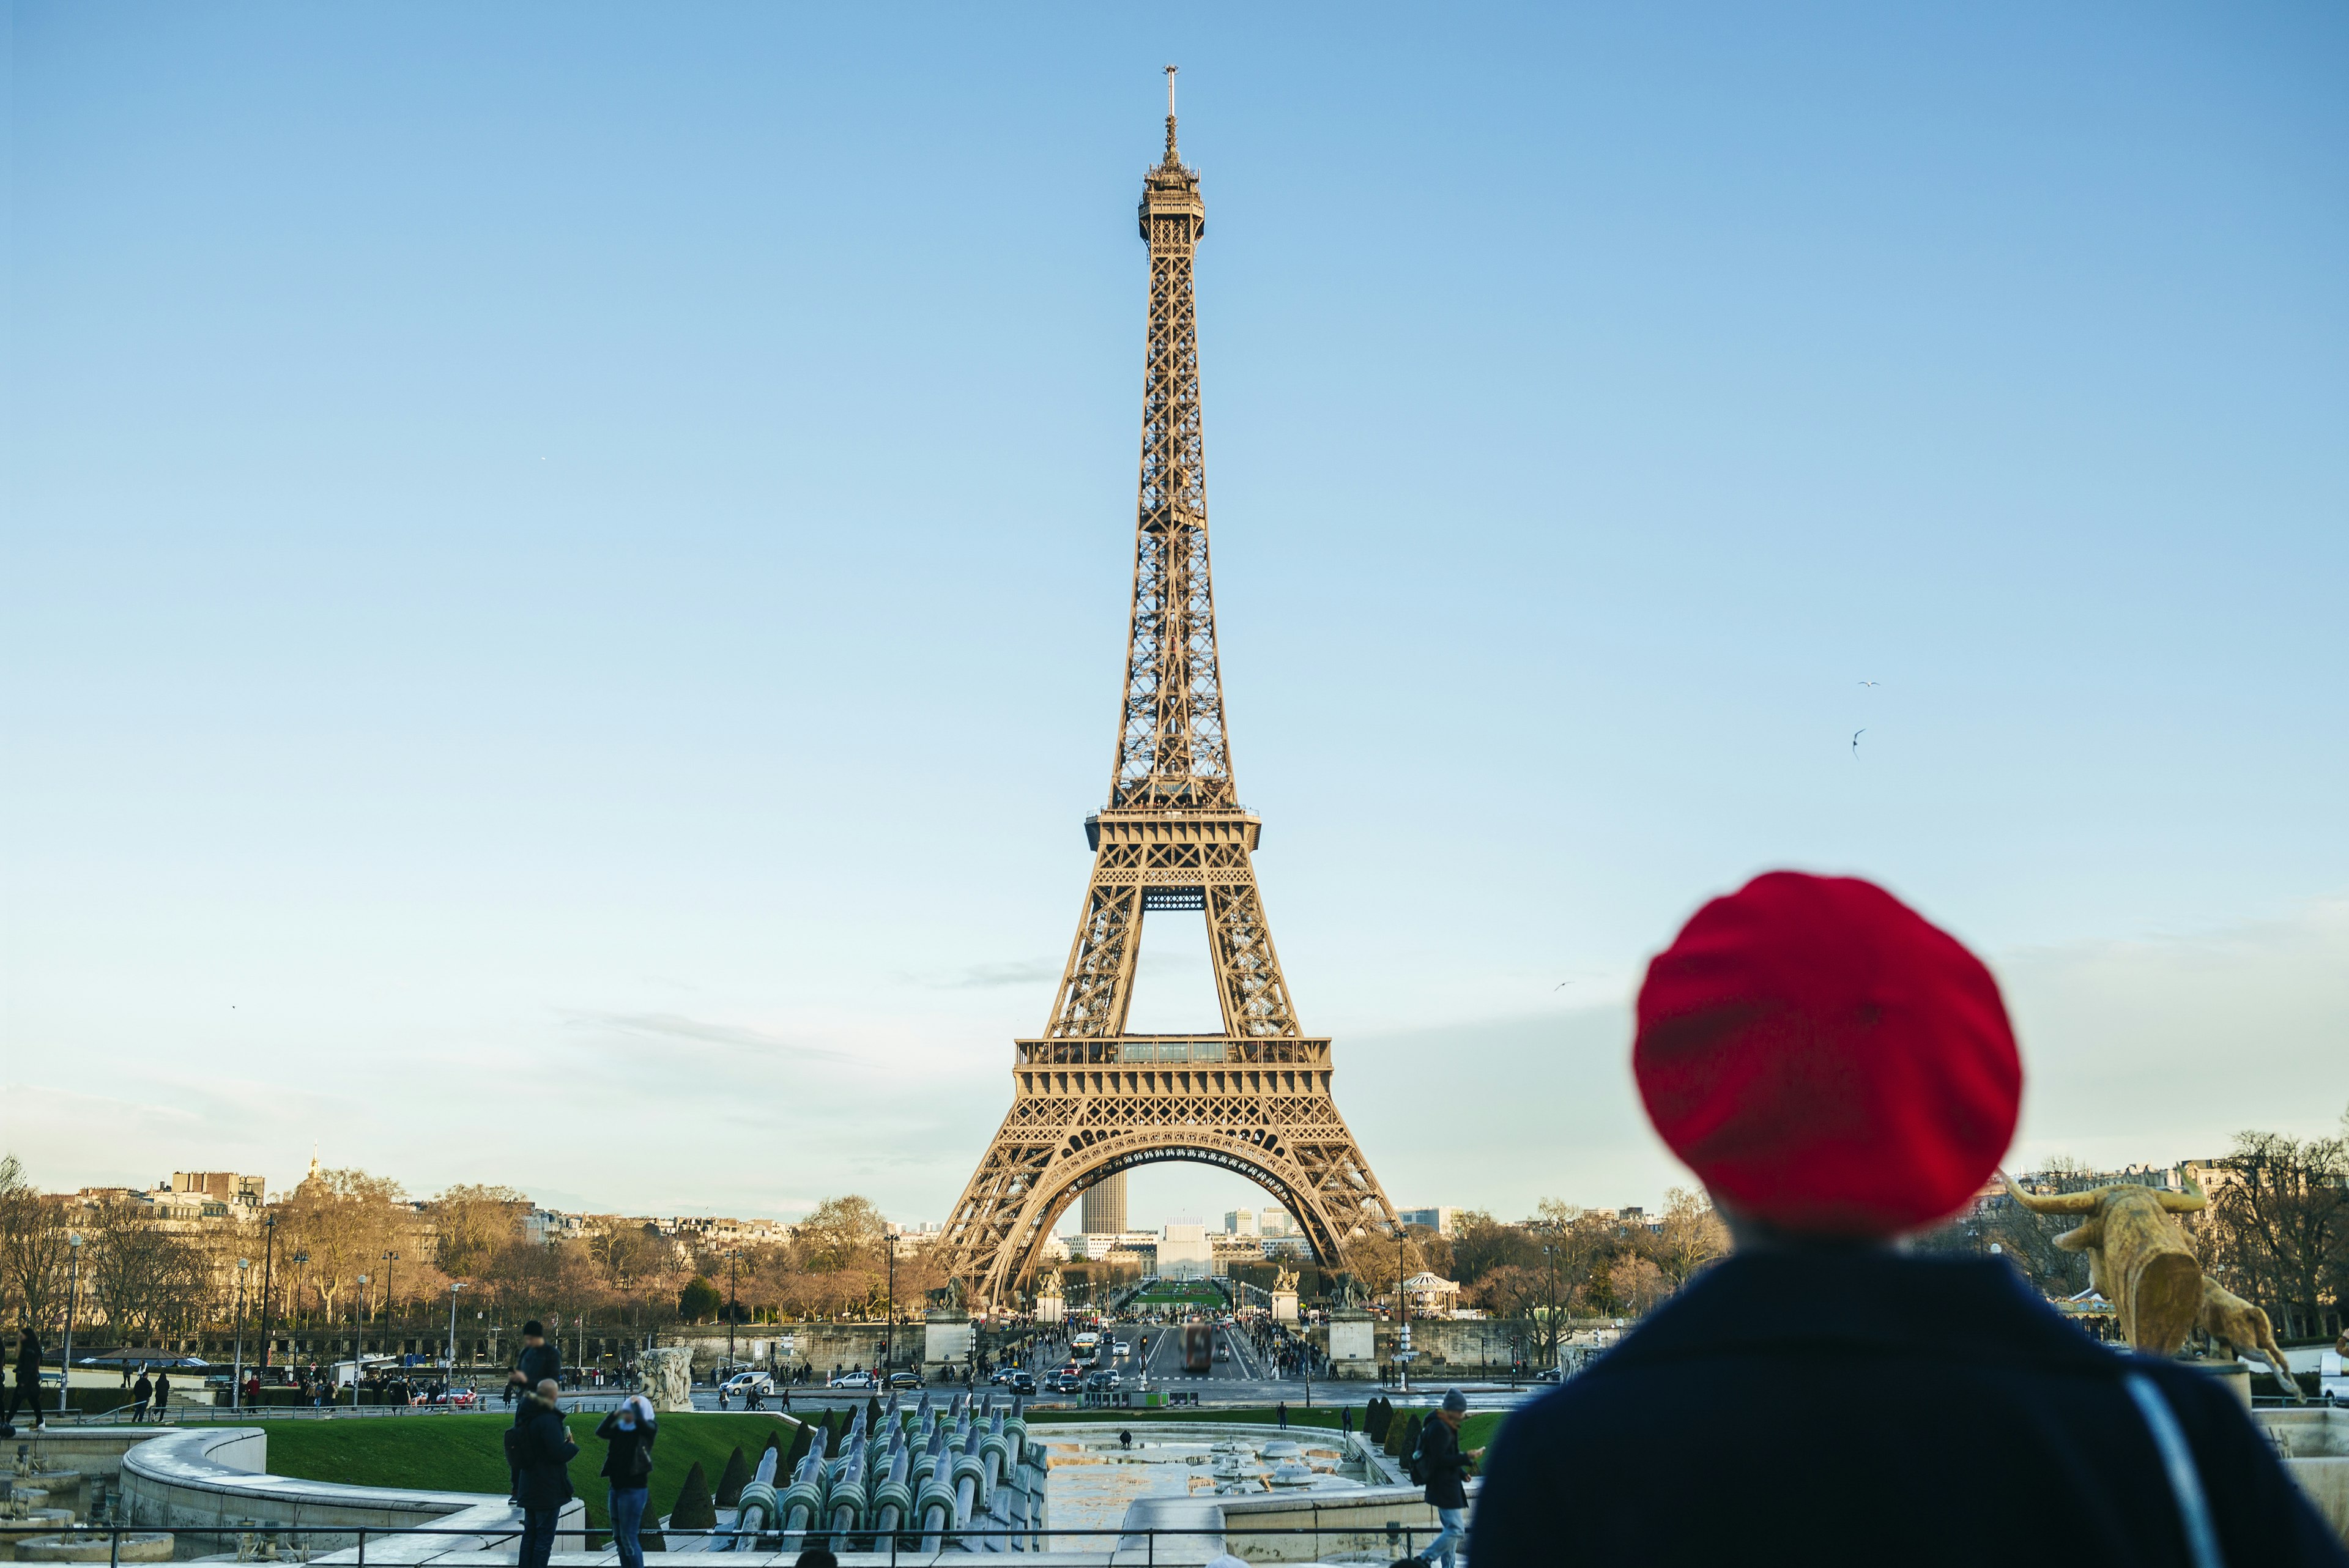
(1841, 1073)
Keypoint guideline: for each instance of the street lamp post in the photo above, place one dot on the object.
(299, 1259)
(390, 1260)
(731, 1258)
(454, 1286)
(1402, 1307)
(236, 1375)
(889, 1335)
(73, 1289)
(268, 1258)
(358, 1340)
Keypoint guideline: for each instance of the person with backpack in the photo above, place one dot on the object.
(629, 1465)
(540, 1451)
(1840, 1074)
(1438, 1465)
(538, 1364)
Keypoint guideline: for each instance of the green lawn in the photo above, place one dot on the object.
(461, 1452)
(1172, 1293)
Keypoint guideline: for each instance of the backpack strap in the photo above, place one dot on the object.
(2177, 1461)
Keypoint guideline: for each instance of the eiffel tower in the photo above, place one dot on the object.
(1091, 1101)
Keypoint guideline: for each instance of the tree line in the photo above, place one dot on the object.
(347, 1249)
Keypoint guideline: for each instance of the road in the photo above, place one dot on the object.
(1237, 1376)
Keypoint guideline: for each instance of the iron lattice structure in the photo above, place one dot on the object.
(1091, 1100)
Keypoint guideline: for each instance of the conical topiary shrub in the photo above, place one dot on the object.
(872, 1414)
(693, 1509)
(1409, 1444)
(804, 1434)
(735, 1476)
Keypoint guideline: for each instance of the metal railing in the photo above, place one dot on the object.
(309, 1543)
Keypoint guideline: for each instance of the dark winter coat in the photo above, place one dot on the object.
(537, 1363)
(544, 1454)
(1870, 1407)
(143, 1390)
(28, 1359)
(629, 1461)
(1442, 1464)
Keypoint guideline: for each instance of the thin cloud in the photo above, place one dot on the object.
(990, 976)
(676, 1026)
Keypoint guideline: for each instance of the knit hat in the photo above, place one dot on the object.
(1825, 1060)
(535, 1326)
(1455, 1401)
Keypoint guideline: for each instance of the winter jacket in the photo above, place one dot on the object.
(629, 1461)
(1441, 1463)
(544, 1453)
(537, 1363)
(1866, 1408)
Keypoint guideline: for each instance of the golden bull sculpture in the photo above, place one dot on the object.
(2138, 1261)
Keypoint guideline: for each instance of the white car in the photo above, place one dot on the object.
(853, 1380)
(1121, 1348)
(742, 1383)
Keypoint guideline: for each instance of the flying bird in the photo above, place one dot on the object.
(1855, 734)
(1871, 683)
(1561, 985)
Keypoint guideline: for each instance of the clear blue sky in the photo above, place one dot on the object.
(566, 567)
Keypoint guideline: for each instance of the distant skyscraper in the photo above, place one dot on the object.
(1240, 1222)
(1102, 1210)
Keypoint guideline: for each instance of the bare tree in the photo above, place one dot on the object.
(33, 1250)
(470, 1223)
(1637, 1283)
(1691, 1235)
(2279, 1230)
(141, 1276)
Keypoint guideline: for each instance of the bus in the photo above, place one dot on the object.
(1199, 1347)
(1085, 1348)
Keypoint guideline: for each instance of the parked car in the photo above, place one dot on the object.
(853, 1380)
(742, 1383)
(448, 1399)
(905, 1380)
(1021, 1382)
(1103, 1379)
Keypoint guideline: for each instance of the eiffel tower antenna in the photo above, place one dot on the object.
(1091, 1100)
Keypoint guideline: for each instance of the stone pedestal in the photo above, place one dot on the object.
(1284, 1306)
(668, 1376)
(1352, 1338)
(1051, 1309)
(946, 1336)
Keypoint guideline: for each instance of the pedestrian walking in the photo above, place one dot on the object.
(1283, 1413)
(26, 1393)
(1840, 1074)
(538, 1364)
(628, 1433)
(541, 1452)
(142, 1394)
(1444, 1470)
(163, 1392)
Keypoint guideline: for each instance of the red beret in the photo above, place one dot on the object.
(1825, 1060)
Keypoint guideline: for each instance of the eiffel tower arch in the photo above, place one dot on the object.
(1090, 1099)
